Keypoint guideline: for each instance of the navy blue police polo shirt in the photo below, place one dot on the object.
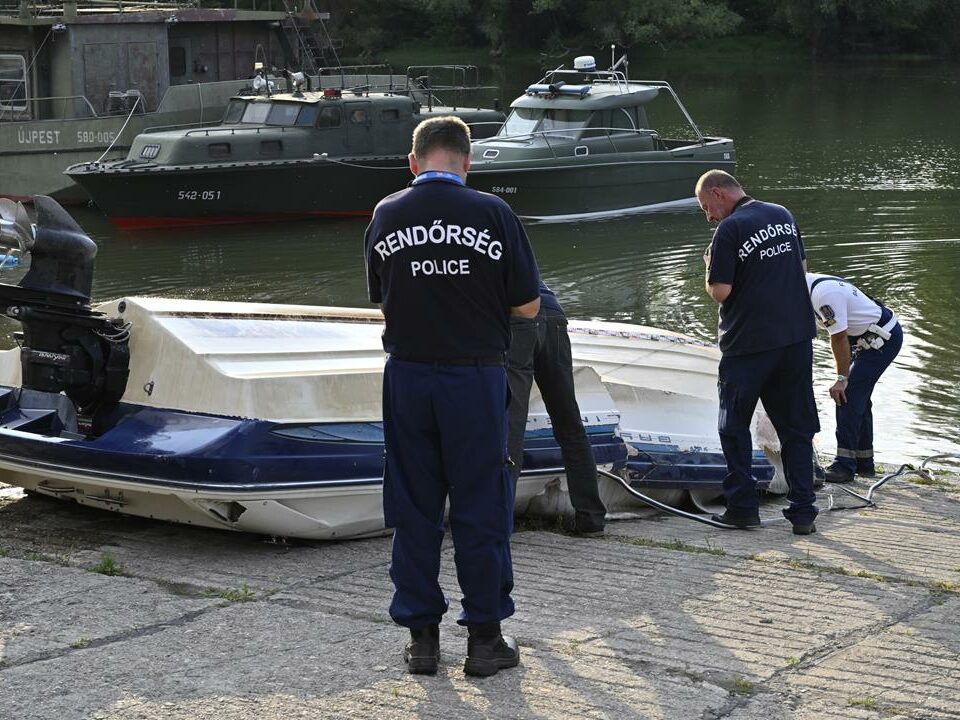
(447, 262)
(758, 250)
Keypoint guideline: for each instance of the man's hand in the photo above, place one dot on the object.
(838, 391)
(706, 257)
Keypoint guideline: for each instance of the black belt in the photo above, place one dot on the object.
(495, 360)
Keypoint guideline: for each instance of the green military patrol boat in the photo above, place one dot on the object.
(296, 154)
(583, 144)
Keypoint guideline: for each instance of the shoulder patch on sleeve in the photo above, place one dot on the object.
(827, 315)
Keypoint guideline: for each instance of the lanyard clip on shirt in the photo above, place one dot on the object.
(437, 175)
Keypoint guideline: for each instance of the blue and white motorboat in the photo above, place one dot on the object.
(266, 418)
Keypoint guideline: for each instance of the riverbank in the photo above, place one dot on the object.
(103, 616)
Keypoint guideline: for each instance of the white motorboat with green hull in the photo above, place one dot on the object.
(584, 144)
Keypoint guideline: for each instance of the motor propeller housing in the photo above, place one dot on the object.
(65, 346)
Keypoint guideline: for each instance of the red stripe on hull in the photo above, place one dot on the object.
(153, 222)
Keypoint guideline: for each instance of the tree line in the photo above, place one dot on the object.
(830, 28)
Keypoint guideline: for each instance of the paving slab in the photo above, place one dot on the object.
(46, 609)
(662, 618)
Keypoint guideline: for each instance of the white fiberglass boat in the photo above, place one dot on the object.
(266, 418)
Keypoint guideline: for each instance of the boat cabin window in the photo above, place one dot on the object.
(218, 150)
(564, 123)
(330, 116)
(359, 116)
(13, 83)
(390, 115)
(271, 147)
(554, 122)
(283, 114)
(234, 112)
(623, 120)
(255, 113)
(308, 115)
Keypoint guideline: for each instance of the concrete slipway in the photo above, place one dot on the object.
(662, 618)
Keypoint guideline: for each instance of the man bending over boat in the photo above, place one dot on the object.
(540, 350)
(755, 268)
(865, 337)
(449, 266)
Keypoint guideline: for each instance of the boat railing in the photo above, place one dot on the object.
(611, 77)
(577, 136)
(54, 107)
(676, 98)
(61, 8)
(234, 130)
(179, 126)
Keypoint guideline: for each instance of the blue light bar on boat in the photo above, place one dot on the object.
(555, 89)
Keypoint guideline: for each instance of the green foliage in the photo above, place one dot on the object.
(244, 594)
(80, 643)
(108, 566)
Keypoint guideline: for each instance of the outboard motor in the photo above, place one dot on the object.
(66, 349)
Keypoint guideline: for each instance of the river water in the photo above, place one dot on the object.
(866, 155)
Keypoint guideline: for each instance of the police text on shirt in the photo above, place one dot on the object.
(439, 233)
(764, 234)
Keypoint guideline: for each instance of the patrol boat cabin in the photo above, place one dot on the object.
(301, 153)
(583, 143)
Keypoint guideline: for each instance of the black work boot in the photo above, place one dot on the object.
(489, 651)
(423, 652)
(743, 521)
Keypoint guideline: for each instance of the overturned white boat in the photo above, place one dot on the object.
(266, 418)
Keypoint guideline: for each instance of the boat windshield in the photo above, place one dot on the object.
(256, 113)
(553, 122)
(233, 112)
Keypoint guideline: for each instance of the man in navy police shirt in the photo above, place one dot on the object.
(449, 266)
(755, 270)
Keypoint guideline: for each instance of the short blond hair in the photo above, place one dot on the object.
(442, 133)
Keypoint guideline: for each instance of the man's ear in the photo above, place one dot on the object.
(412, 159)
(466, 163)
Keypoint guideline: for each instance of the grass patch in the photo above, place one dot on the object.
(80, 643)
(792, 661)
(109, 566)
(673, 545)
(944, 586)
(807, 565)
(944, 485)
(742, 686)
(864, 702)
(4, 553)
(244, 594)
(870, 575)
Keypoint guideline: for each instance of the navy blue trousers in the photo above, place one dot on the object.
(855, 416)
(783, 379)
(540, 350)
(445, 429)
